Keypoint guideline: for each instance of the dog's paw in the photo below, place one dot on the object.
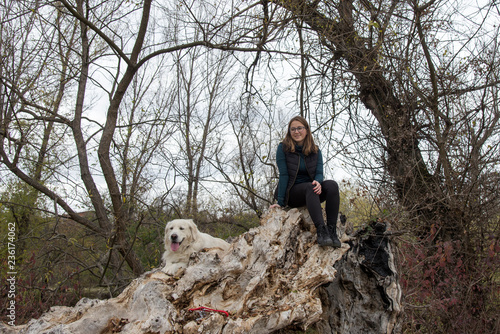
(168, 270)
(173, 269)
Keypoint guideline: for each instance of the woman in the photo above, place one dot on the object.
(301, 183)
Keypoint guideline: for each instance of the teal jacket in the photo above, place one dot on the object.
(294, 168)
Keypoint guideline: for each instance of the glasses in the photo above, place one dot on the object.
(299, 129)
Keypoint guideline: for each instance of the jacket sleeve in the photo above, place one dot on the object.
(283, 171)
(319, 168)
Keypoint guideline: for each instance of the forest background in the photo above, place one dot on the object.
(116, 116)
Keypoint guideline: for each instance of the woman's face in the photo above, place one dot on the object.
(298, 132)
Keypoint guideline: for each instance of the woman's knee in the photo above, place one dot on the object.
(330, 185)
(306, 186)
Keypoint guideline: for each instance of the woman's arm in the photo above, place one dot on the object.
(319, 168)
(283, 171)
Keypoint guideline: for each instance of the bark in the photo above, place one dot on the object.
(273, 278)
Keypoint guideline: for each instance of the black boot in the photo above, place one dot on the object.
(332, 230)
(324, 239)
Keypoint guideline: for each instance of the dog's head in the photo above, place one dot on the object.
(179, 234)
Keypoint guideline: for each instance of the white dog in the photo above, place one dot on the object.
(182, 238)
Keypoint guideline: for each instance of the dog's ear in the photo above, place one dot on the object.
(193, 229)
(165, 234)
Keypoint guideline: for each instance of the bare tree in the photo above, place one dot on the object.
(427, 74)
(248, 164)
(28, 126)
(95, 51)
(201, 101)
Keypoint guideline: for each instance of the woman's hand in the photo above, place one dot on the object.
(317, 187)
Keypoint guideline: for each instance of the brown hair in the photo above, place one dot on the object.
(309, 146)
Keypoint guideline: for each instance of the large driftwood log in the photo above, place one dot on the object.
(273, 278)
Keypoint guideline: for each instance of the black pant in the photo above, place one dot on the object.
(302, 194)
